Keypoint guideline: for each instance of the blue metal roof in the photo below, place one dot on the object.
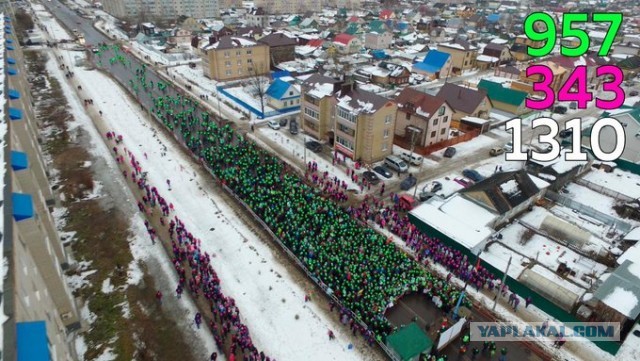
(22, 206)
(278, 89)
(19, 160)
(280, 74)
(13, 94)
(32, 341)
(15, 113)
(435, 59)
(379, 54)
(12, 71)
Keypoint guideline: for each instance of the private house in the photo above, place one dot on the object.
(398, 74)
(308, 23)
(234, 57)
(499, 50)
(435, 65)
(466, 101)
(422, 118)
(347, 44)
(283, 96)
(519, 48)
(257, 17)
(503, 98)
(463, 54)
(282, 47)
(559, 74)
(630, 66)
(363, 124)
(373, 74)
(179, 37)
(387, 14)
(378, 40)
(316, 105)
(507, 71)
(570, 63)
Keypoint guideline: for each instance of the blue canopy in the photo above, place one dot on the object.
(9, 41)
(19, 160)
(11, 61)
(9, 47)
(15, 113)
(280, 74)
(12, 71)
(32, 341)
(13, 94)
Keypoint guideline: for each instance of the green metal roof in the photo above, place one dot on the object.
(409, 341)
(497, 93)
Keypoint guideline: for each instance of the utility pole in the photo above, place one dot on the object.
(504, 279)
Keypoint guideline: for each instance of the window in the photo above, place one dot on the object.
(346, 143)
(387, 119)
(385, 146)
(386, 133)
(312, 113)
(239, 71)
(441, 110)
(228, 72)
(446, 118)
(238, 53)
(345, 114)
(433, 134)
(442, 131)
(248, 52)
(346, 130)
(291, 92)
(435, 121)
(226, 54)
(249, 61)
(312, 100)
(466, 63)
(407, 116)
(227, 64)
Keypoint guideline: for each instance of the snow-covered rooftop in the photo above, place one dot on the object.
(458, 218)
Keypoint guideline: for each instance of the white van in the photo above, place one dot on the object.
(411, 158)
(396, 163)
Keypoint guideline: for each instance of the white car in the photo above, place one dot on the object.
(273, 124)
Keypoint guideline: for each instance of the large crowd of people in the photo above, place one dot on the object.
(362, 269)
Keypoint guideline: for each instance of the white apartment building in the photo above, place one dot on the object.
(146, 10)
(38, 306)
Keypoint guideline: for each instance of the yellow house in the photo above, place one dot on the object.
(315, 106)
(364, 124)
(559, 74)
(463, 54)
(235, 57)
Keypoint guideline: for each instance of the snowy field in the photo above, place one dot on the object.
(250, 100)
(271, 302)
(195, 76)
(464, 148)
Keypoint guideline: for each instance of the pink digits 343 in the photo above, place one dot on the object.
(575, 88)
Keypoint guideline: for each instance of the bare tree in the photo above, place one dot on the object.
(258, 85)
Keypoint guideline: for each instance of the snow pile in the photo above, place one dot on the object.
(510, 187)
(622, 300)
(320, 91)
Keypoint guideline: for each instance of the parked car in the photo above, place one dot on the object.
(560, 109)
(408, 182)
(371, 177)
(496, 151)
(273, 124)
(463, 181)
(411, 158)
(429, 190)
(383, 171)
(293, 127)
(313, 146)
(508, 147)
(450, 152)
(396, 163)
(633, 93)
(473, 175)
(283, 122)
(566, 133)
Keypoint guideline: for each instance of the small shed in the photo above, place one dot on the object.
(619, 296)
(409, 342)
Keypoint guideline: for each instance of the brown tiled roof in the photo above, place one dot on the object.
(426, 102)
(460, 98)
(278, 39)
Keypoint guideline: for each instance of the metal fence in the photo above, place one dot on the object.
(604, 190)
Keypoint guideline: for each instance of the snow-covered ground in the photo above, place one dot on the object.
(247, 98)
(270, 300)
(620, 181)
(53, 28)
(464, 148)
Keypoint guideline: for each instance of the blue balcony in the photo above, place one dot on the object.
(19, 160)
(32, 341)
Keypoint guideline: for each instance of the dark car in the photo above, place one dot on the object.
(430, 190)
(473, 175)
(633, 93)
(313, 146)
(560, 109)
(383, 171)
(371, 177)
(293, 127)
(566, 133)
(450, 152)
(408, 182)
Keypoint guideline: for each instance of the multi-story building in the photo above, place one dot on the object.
(278, 7)
(422, 118)
(146, 10)
(235, 57)
(41, 314)
(257, 17)
(558, 71)
(363, 124)
(315, 110)
(466, 102)
(282, 47)
(463, 54)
